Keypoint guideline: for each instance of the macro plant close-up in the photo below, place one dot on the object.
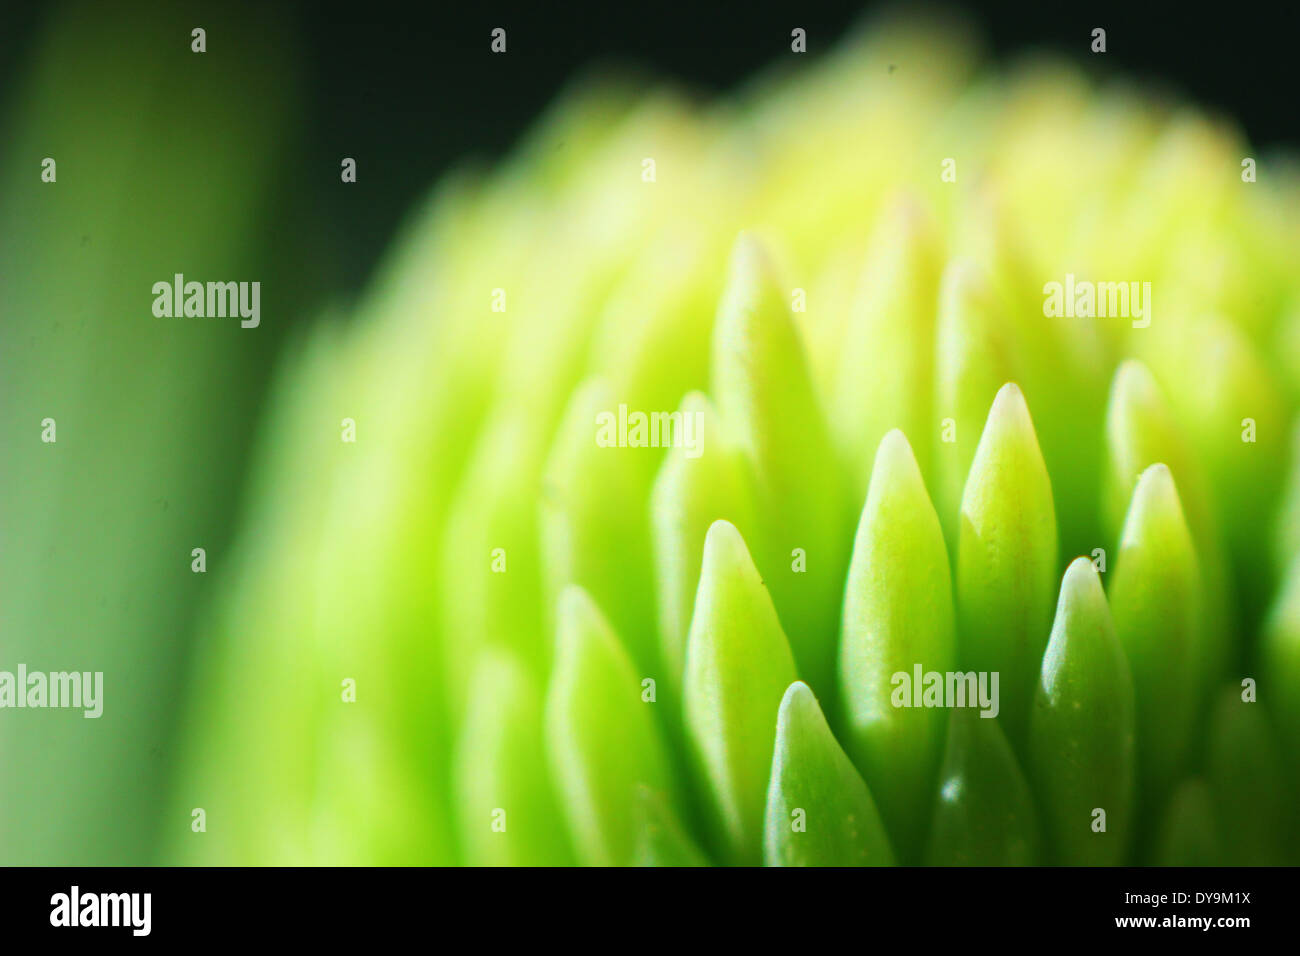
(893, 459)
(683, 431)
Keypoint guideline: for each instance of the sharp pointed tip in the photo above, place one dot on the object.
(798, 694)
(1155, 488)
(721, 538)
(1081, 585)
(1157, 475)
(727, 558)
(1081, 568)
(748, 255)
(1155, 503)
(1010, 400)
(894, 452)
(1133, 380)
(895, 443)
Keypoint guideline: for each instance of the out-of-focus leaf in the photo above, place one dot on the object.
(600, 738)
(505, 807)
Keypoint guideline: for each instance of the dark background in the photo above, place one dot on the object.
(411, 88)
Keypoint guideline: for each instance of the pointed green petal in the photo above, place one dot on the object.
(898, 615)
(661, 841)
(971, 365)
(1188, 834)
(1279, 682)
(500, 773)
(1253, 801)
(984, 814)
(1155, 600)
(768, 406)
(691, 492)
(1227, 402)
(490, 590)
(819, 812)
(1006, 561)
(589, 535)
(1140, 432)
(886, 366)
(738, 665)
(601, 741)
(1081, 730)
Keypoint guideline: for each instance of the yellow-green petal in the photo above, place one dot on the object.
(769, 407)
(505, 808)
(984, 812)
(1081, 730)
(819, 811)
(738, 665)
(1007, 557)
(601, 741)
(898, 616)
(691, 492)
(1155, 601)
